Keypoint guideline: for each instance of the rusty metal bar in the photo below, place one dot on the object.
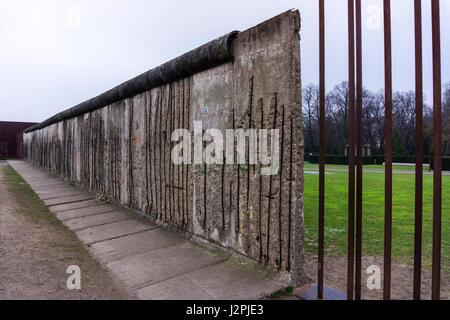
(388, 151)
(437, 156)
(419, 150)
(351, 150)
(359, 171)
(322, 149)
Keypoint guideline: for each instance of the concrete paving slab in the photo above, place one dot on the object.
(96, 220)
(224, 281)
(75, 205)
(42, 181)
(51, 188)
(159, 265)
(47, 183)
(83, 212)
(38, 176)
(113, 230)
(68, 199)
(61, 193)
(38, 182)
(229, 280)
(182, 287)
(127, 246)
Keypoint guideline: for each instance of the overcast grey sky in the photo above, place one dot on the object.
(57, 53)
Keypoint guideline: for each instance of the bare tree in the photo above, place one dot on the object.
(310, 112)
(373, 120)
(403, 117)
(336, 105)
(337, 114)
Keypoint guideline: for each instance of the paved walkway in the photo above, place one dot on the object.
(152, 262)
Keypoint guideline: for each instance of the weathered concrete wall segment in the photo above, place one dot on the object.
(122, 151)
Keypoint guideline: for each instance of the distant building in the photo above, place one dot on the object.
(11, 138)
(366, 151)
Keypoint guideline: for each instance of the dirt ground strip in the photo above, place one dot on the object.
(335, 273)
(35, 254)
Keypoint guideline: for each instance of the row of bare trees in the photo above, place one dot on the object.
(373, 121)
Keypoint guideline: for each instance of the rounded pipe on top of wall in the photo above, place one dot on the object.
(207, 56)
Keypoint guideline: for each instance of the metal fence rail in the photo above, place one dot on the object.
(355, 217)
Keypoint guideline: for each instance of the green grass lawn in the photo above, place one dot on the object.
(336, 213)
(379, 167)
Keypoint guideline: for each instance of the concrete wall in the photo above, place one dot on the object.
(122, 151)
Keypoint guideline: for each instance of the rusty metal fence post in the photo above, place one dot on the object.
(419, 151)
(322, 150)
(437, 154)
(351, 151)
(387, 151)
(354, 242)
(359, 171)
